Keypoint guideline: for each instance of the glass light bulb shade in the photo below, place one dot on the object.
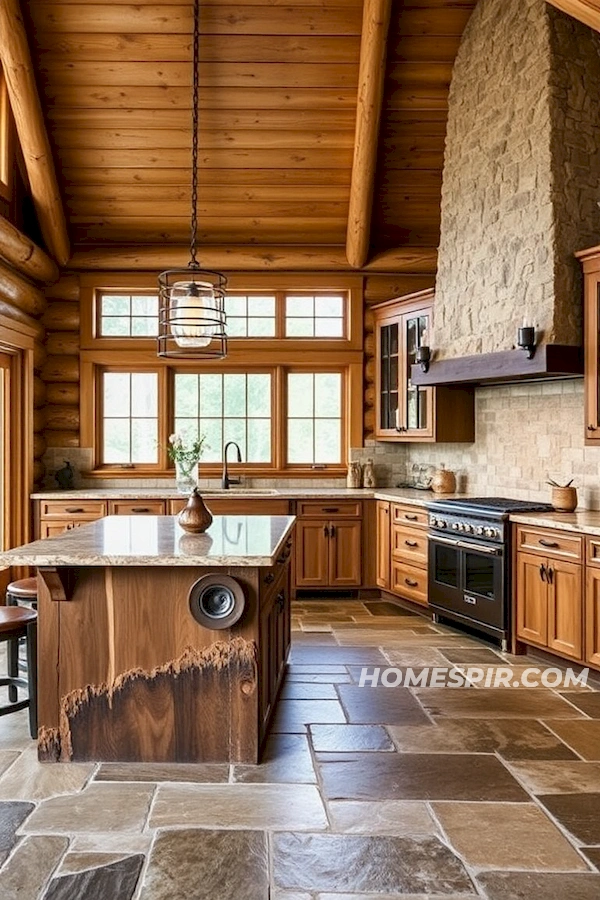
(195, 313)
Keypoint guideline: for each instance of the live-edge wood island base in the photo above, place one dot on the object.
(129, 669)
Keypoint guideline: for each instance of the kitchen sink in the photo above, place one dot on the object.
(252, 492)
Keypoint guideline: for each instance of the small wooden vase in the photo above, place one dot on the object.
(195, 517)
(443, 481)
(564, 499)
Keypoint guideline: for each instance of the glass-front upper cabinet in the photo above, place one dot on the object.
(590, 260)
(403, 411)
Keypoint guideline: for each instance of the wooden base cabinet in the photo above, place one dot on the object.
(328, 553)
(592, 616)
(383, 545)
(409, 552)
(549, 604)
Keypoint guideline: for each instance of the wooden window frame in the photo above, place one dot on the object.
(97, 323)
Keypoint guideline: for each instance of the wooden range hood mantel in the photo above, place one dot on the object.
(504, 367)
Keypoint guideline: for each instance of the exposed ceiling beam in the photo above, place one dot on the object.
(25, 256)
(371, 76)
(587, 11)
(33, 137)
(230, 258)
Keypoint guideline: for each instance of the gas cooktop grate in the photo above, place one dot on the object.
(493, 504)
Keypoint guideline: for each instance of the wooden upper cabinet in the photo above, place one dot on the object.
(590, 260)
(403, 411)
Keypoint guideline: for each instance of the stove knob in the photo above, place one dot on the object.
(470, 529)
(480, 530)
(442, 523)
(433, 521)
(490, 532)
(455, 526)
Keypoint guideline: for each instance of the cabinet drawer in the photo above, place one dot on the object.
(325, 510)
(548, 542)
(410, 515)
(137, 507)
(68, 509)
(409, 545)
(409, 582)
(592, 552)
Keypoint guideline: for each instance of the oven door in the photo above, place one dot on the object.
(467, 578)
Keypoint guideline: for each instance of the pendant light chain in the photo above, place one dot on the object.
(193, 264)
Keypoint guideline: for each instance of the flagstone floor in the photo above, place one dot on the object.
(365, 793)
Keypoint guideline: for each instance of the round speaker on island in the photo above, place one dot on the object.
(217, 601)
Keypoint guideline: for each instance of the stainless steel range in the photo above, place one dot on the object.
(469, 561)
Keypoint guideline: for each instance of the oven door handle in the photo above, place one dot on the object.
(462, 545)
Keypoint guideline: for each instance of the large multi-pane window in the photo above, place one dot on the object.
(314, 417)
(226, 407)
(130, 417)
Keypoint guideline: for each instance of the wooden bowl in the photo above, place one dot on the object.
(564, 499)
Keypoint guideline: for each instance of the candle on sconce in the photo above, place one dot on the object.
(526, 338)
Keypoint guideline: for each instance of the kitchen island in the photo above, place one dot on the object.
(159, 646)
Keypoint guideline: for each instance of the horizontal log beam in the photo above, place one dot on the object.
(276, 258)
(21, 293)
(33, 137)
(17, 315)
(587, 11)
(22, 254)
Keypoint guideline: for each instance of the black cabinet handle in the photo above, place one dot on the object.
(543, 572)
(332, 531)
(545, 543)
(411, 543)
(280, 601)
(331, 509)
(74, 509)
(410, 518)
(325, 530)
(269, 578)
(550, 575)
(139, 509)
(411, 583)
(592, 428)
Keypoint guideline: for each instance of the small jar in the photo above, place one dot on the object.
(354, 477)
(564, 499)
(443, 481)
(369, 474)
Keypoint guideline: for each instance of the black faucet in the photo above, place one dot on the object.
(226, 480)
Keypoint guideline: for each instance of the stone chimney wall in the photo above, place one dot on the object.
(521, 178)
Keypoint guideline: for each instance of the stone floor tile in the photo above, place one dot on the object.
(589, 702)
(292, 716)
(578, 813)
(378, 896)
(381, 864)
(300, 690)
(14, 734)
(539, 886)
(28, 779)
(12, 816)
(200, 773)
(318, 678)
(372, 638)
(380, 705)
(290, 895)
(419, 776)
(82, 861)
(507, 836)
(315, 668)
(558, 777)
(490, 703)
(475, 656)
(262, 806)
(593, 854)
(387, 608)
(343, 656)
(7, 758)
(345, 738)
(116, 880)
(419, 657)
(130, 842)
(30, 866)
(381, 817)
(510, 738)
(99, 807)
(285, 758)
(583, 736)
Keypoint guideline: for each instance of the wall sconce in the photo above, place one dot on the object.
(526, 340)
(423, 357)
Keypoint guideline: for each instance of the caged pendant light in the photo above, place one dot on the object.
(192, 319)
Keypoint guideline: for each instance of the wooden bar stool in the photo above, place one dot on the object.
(19, 593)
(14, 625)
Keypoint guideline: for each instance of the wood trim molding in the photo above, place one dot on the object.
(33, 137)
(23, 255)
(587, 11)
(241, 258)
(376, 21)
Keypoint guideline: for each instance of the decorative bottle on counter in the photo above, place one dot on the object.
(195, 517)
(369, 474)
(443, 481)
(355, 475)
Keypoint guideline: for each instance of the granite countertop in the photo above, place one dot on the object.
(159, 541)
(173, 494)
(584, 521)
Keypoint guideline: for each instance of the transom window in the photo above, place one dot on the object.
(250, 315)
(128, 315)
(314, 316)
(130, 417)
(226, 407)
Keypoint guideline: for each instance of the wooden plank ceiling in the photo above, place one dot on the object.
(278, 103)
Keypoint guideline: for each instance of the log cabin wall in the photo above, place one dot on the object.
(59, 383)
